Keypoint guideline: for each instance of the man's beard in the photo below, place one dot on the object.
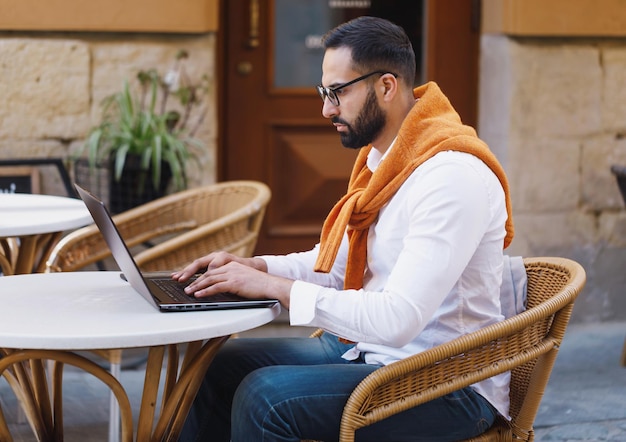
(368, 125)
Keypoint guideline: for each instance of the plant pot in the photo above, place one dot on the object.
(135, 186)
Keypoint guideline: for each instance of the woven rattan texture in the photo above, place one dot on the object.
(525, 344)
(174, 230)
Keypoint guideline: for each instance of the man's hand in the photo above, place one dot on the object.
(225, 272)
(216, 260)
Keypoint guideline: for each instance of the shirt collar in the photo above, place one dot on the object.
(375, 157)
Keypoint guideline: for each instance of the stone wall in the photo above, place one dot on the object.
(52, 85)
(554, 112)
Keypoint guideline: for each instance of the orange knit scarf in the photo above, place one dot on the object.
(432, 126)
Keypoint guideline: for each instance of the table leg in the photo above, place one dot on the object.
(8, 253)
(19, 255)
(4, 429)
(179, 391)
(45, 245)
(28, 382)
(5, 265)
(27, 254)
(154, 365)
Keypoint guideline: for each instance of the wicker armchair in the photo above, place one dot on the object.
(167, 234)
(174, 230)
(526, 344)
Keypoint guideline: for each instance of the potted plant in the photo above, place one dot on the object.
(146, 137)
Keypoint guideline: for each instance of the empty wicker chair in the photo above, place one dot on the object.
(174, 230)
(170, 232)
(526, 344)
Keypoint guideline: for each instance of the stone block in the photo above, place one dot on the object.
(44, 88)
(599, 186)
(544, 174)
(603, 297)
(494, 98)
(612, 229)
(115, 62)
(556, 90)
(553, 234)
(614, 91)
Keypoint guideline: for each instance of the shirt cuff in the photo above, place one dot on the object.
(303, 298)
(269, 262)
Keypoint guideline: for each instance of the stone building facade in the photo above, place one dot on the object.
(552, 107)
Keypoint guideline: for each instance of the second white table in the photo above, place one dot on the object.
(31, 225)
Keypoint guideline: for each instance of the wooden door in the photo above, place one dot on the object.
(271, 127)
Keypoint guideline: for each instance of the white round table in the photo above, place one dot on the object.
(46, 316)
(31, 225)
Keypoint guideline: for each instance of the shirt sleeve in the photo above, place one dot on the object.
(442, 212)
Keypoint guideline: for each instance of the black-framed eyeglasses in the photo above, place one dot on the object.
(331, 92)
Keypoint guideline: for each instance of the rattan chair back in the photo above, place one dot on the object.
(170, 232)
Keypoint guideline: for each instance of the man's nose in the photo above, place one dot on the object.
(329, 110)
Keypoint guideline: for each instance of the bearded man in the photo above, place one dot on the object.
(411, 257)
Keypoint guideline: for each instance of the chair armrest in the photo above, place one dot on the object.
(461, 362)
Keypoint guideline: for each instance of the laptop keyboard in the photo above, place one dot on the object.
(175, 290)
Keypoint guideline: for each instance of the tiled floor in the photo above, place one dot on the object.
(584, 400)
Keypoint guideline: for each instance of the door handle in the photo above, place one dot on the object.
(253, 34)
(244, 68)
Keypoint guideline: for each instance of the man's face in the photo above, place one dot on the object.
(359, 119)
(368, 125)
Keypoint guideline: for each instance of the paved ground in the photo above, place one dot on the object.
(585, 399)
(586, 395)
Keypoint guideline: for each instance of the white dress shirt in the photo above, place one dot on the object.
(434, 268)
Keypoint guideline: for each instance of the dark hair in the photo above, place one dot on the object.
(376, 44)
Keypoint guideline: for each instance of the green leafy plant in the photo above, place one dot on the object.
(144, 124)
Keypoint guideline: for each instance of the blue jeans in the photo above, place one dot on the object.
(288, 389)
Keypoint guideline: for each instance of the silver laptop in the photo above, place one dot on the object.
(160, 290)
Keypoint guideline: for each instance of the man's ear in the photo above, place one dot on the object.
(389, 87)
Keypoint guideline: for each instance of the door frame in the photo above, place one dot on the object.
(439, 65)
